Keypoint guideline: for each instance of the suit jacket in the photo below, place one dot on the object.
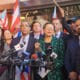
(32, 35)
(31, 43)
(72, 54)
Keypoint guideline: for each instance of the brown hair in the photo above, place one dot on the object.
(34, 23)
(44, 26)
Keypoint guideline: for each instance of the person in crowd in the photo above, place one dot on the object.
(77, 23)
(57, 27)
(36, 30)
(72, 53)
(57, 46)
(1, 40)
(27, 40)
(5, 40)
(17, 32)
(2, 68)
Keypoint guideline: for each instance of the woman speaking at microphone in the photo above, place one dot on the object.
(56, 45)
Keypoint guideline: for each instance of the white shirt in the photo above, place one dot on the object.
(26, 40)
(58, 34)
(22, 40)
(36, 36)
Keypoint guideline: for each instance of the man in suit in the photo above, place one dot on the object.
(57, 27)
(77, 23)
(36, 30)
(17, 32)
(72, 57)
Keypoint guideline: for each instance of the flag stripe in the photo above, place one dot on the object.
(15, 23)
(4, 19)
(16, 16)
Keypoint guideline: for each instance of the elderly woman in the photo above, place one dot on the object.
(56, 45)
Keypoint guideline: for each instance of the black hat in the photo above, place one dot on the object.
(72, 20)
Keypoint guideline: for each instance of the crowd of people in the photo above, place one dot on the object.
(53, 40)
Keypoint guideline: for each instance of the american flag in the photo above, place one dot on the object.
(4, 19)
(15, 16)
(25, 75)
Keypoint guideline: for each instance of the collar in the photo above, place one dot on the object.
(58, 34)
(26, 37)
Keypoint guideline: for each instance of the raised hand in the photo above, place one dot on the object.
(37, 46)
(54, 1)
(61, 12)
(60, 9)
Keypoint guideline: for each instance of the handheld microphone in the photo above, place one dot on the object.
(18, 47)
(34, 56)
(49, 50)
(13, 50)
(53, 55)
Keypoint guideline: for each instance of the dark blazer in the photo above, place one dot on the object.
(78, 60)
(71, 54)
(32, 35)
(30, 47)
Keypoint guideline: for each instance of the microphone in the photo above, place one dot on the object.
(50, 53)
(34, 56)
(18, 47)
(13, 50)
(49, 50)
(53, 55)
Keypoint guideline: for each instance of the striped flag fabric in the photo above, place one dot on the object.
(25, 75)
(15, 16)
(4, 19)
(22, 73)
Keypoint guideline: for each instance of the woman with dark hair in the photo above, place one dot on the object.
(51, 45)
(2, 68)
(5, 40)
(1, 40)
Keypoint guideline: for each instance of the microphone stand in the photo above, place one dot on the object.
(6, 60)
(8, 64)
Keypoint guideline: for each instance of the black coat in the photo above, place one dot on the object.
(72, 53)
